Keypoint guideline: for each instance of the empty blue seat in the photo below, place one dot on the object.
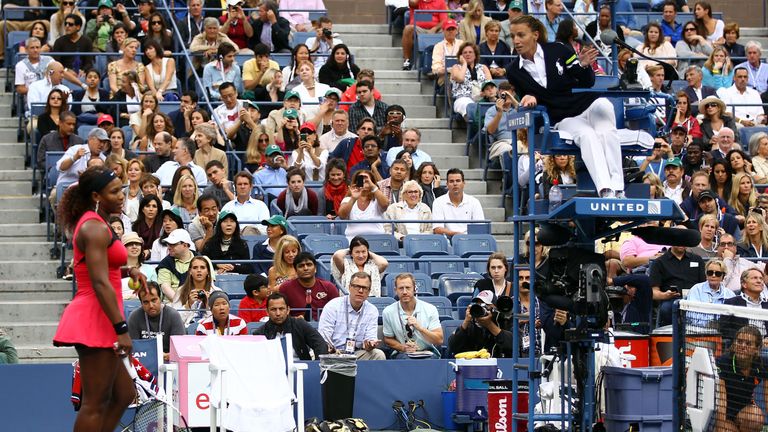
(381, 302)
(129, 306)
(449, 328)
(461, 305)
(323, 244)
(232, 284)
(254, 240)
(252, 326)
(402, 265)
(466, 245)
(443, 304)
(383, 244)
(455, 285)
(417, 245)
(440, 265)
(746, 133)
(302, 226)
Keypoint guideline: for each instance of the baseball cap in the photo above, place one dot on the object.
(178, 236)
(706, 194)
(485, 296)
(307, 126)
(272, 149)
(225, 213)
(104, 118)
(98, 133)
(291, 113)
(291, 94)
(251, 103)
(674, 161)
(680, 128)
(516, 4)
(487, 83)
(105, 3)
(231, 3)
(276, 220)
(333, 91)
(450, 24)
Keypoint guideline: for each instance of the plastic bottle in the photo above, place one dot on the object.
(555, 195)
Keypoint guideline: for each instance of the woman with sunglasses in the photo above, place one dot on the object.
(712, 290)
(66, 7)
(684, 117)
(754, 236)
(158, 31)
(715, 118)
(692, 45)
(49, 120)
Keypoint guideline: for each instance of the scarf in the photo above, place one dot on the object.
(294, 208)
(335, 194)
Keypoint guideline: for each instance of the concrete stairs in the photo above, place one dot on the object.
(446, 146)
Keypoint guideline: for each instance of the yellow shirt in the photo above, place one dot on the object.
(251, 69)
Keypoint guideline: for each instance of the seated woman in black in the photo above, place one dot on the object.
(741, 369)
(545, 74)
(226, 244)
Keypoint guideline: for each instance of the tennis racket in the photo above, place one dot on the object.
(151, 407)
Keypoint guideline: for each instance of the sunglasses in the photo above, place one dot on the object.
(67, 3)
(712, 105)
(69, 24)
(156, 22)
(690, 29)
(263, 140)
(715, 273)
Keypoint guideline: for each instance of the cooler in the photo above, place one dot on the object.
(633, 343)
(190, 384)
(472, 376)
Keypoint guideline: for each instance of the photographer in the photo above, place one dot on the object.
(481, 329)
(236, 26)
(99, 30)
(320, 45)
(656, 161)
(496, 121)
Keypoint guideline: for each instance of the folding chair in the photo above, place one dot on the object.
(461, 305)
(449, 327)
(381, 302)
(436, 268)
(129, 306)
(254, 240)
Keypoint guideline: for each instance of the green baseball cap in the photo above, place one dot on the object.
(272, 149)
(291, 94)
(276, 220)
(516, 4)
(674, 161)
(291, 113)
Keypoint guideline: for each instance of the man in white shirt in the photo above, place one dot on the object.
(247, 209)
(455, 205)
(228, 112)
(32, 68)
(39, 90)
(320, 45)
(411, 140)
(75, 159)
(675, 187)
(740, 93)
(351, 322)
(183, 153)
(339, 131)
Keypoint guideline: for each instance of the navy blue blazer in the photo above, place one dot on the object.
(564, 73)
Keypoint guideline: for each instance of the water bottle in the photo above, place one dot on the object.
(555, 195)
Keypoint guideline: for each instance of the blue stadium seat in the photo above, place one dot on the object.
(467, 245)
(479, 267)
(746, 133)
(383, 244)
(84, 130)
(398, 266)
(232, 284)
(678, 85)
(455, 285)
(234, 305)
(381, 302)
(323, 244)
(301, 37)
(191, 328)
(252, 326)
(254, 240)
(436, 268)
(461, 305)
(313, 225)
(129, 306)
(425, 244)
(449, 327)
(443, 304)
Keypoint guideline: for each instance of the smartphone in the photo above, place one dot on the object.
(303, 137)
(360, 182)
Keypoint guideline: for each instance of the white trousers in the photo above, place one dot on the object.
(594, 131)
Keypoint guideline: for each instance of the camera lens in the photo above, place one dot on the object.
(505, 304)
(477, 311)
(327, 33)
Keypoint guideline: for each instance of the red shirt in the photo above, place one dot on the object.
(248, 310)
(322, 292)
(437, 18)
(356, 156)
(236, 32)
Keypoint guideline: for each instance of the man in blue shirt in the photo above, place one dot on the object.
(411, 140)
(223, 69)
(552, 18)
(671, 29)
(496, 121)
(273, 173)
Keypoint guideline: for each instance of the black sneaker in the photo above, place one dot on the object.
(407, 64)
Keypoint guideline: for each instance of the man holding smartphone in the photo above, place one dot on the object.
(272, 176)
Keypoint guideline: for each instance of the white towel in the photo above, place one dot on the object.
(256, 385)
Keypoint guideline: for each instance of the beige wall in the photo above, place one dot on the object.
(748, 13)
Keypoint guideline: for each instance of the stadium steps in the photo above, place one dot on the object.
(446, 146)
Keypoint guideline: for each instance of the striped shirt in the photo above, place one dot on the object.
(235, 326)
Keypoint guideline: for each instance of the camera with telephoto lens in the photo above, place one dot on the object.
(327, 33)
(478, 310)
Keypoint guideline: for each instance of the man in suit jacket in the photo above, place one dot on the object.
(545, 74)
(695, 90)
(277, 40)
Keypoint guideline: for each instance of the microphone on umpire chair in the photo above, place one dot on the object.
(610, 37)
(668, 236)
